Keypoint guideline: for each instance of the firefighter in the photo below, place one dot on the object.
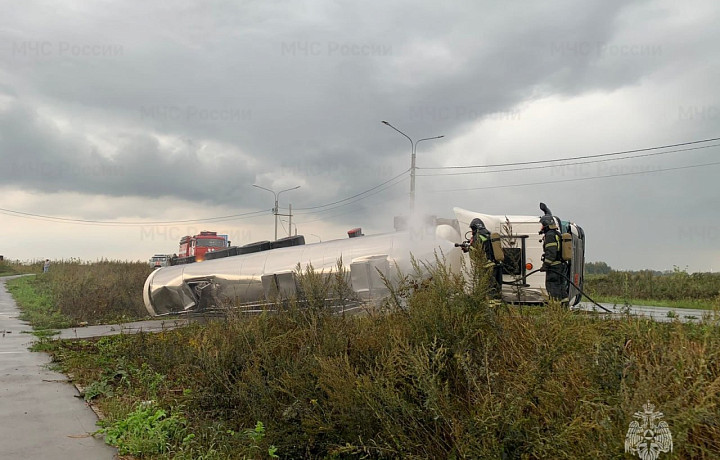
(481, 239)
(553, 265)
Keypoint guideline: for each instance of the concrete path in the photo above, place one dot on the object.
(155, 325)
(40, 415)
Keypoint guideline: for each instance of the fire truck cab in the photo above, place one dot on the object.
(195, 247)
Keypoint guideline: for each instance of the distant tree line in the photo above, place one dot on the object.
(602, 268)
(597, 268)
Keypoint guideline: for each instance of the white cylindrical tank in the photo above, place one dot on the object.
(260, 276)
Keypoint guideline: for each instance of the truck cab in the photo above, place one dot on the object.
(160, 260)
(197, 246)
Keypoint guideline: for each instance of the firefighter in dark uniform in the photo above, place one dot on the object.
(481, 240)
(553, 265)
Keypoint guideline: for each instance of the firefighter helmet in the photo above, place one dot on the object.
(547, 222)
(476, 224)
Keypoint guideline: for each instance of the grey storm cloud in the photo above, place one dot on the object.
(297, 97)
(199, 100)
(40, 156)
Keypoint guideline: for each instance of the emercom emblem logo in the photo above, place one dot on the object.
(647, 436)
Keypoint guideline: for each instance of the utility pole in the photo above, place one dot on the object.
(289, 216)
(275, 209)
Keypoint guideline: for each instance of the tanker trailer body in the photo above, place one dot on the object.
(262, 276)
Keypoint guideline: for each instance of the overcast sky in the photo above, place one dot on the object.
(146, 112)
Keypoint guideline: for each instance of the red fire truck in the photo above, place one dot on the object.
(194, 248)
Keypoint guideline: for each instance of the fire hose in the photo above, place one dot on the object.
(568, 280)
(466, 245)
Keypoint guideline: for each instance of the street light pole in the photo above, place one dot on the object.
(275, 209)
(413, 147)
(412, 167)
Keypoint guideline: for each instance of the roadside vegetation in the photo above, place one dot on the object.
(676, 289)
(440, 372)
(14, 267)
(74, 293)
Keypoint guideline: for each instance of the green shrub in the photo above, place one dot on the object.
(146, 430)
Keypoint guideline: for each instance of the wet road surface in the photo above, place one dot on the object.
(40, 415)
(660, 314)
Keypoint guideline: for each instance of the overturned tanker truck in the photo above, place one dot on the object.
(259, 273)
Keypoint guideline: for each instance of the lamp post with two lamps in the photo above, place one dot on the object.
(413, 147)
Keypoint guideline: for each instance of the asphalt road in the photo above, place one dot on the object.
(660, 314)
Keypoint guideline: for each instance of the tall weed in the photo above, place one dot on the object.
(73, 292)
(103, 289)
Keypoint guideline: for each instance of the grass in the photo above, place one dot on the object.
(13, 267)
(74, 293)
(146, 430)
(36, 302)
(440, 373)
(678, 289)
